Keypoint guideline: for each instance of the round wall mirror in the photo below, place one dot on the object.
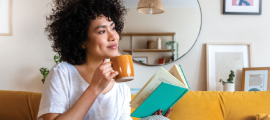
(160, 38)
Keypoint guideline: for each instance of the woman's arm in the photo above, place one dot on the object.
(101, 78)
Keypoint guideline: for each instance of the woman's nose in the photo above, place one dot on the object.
(112, 36)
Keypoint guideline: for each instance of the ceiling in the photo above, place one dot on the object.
(166, 3)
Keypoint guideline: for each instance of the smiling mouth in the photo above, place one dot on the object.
(113, 46)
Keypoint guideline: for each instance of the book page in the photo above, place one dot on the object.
(161, 76)
(176, 72)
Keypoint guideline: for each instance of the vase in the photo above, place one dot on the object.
(229, 87)
(150, 44)
(168, 47)
(158, 43)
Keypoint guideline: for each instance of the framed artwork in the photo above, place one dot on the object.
(242, 7)
(256, 79)
(141, 59)
(5, 17)
(222, 58)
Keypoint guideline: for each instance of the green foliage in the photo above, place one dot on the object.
(223, 82)
(57, 59)
(45, 71)
(170, 42)
(230, 79)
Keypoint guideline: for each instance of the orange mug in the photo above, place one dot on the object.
(124, 65)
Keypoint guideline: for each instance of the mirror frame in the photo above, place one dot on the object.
(177, 58)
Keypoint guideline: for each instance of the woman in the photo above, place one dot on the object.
(84, 33)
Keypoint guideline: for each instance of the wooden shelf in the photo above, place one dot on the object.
(149, 34)
(148, 50)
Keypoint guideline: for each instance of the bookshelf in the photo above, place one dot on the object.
(132, 35)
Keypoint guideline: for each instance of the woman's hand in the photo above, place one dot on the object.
(167, 114)
(102, 76)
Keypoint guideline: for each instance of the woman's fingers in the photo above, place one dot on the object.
(107, 70)
(167, 114)
(155, 113)
(105, 65)
(113, 74)
(159, 112)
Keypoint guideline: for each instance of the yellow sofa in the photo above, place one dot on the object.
(195, 105)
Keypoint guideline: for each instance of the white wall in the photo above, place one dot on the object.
(22, 54)
(28, 49)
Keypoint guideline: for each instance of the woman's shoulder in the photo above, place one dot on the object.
(63, 66)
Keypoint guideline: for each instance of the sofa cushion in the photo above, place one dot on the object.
(198, 105)
(241, 105)
(19, 105)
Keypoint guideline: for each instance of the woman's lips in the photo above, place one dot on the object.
(113, 46)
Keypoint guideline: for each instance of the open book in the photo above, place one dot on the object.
(162, 91)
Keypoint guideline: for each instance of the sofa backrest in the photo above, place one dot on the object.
(19, 105)
(242, 105)
(195, 105)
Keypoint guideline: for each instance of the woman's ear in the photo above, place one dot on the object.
(83, 47)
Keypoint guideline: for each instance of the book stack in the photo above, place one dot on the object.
(162, 91)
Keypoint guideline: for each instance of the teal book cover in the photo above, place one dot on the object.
(164, 97)
(184, 75)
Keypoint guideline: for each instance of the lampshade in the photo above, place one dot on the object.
(150, 7)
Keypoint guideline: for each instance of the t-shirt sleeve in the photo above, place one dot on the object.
(55, 92)
(127, 109)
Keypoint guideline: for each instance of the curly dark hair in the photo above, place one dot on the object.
(67, 25)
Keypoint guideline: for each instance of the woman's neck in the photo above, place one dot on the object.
(88, 68)
(92, 63)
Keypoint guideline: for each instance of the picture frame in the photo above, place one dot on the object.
(6, 18)
(256, 79)
(141, 59)
(223, 57)
(242, 7)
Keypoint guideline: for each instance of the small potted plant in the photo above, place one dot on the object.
(229, 85)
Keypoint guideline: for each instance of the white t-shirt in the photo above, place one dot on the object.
(63, 87)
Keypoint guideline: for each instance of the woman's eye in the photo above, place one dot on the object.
(113, 28)
(102, 32)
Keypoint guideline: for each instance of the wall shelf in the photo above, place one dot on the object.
(131, 35)
(148, 50)
(149, 34)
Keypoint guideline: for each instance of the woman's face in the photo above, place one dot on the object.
(102, 39)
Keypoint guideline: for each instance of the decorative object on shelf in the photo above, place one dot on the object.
(159, 43)
(45, 71)
(229, 85)
(148, 50)
(242, 7)
(174, 46)
(256, 79)
(151, 44)
(161, 60)
(223, 57)
(168, 45)
(6, 17)
(141, 59)
(150, 7)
